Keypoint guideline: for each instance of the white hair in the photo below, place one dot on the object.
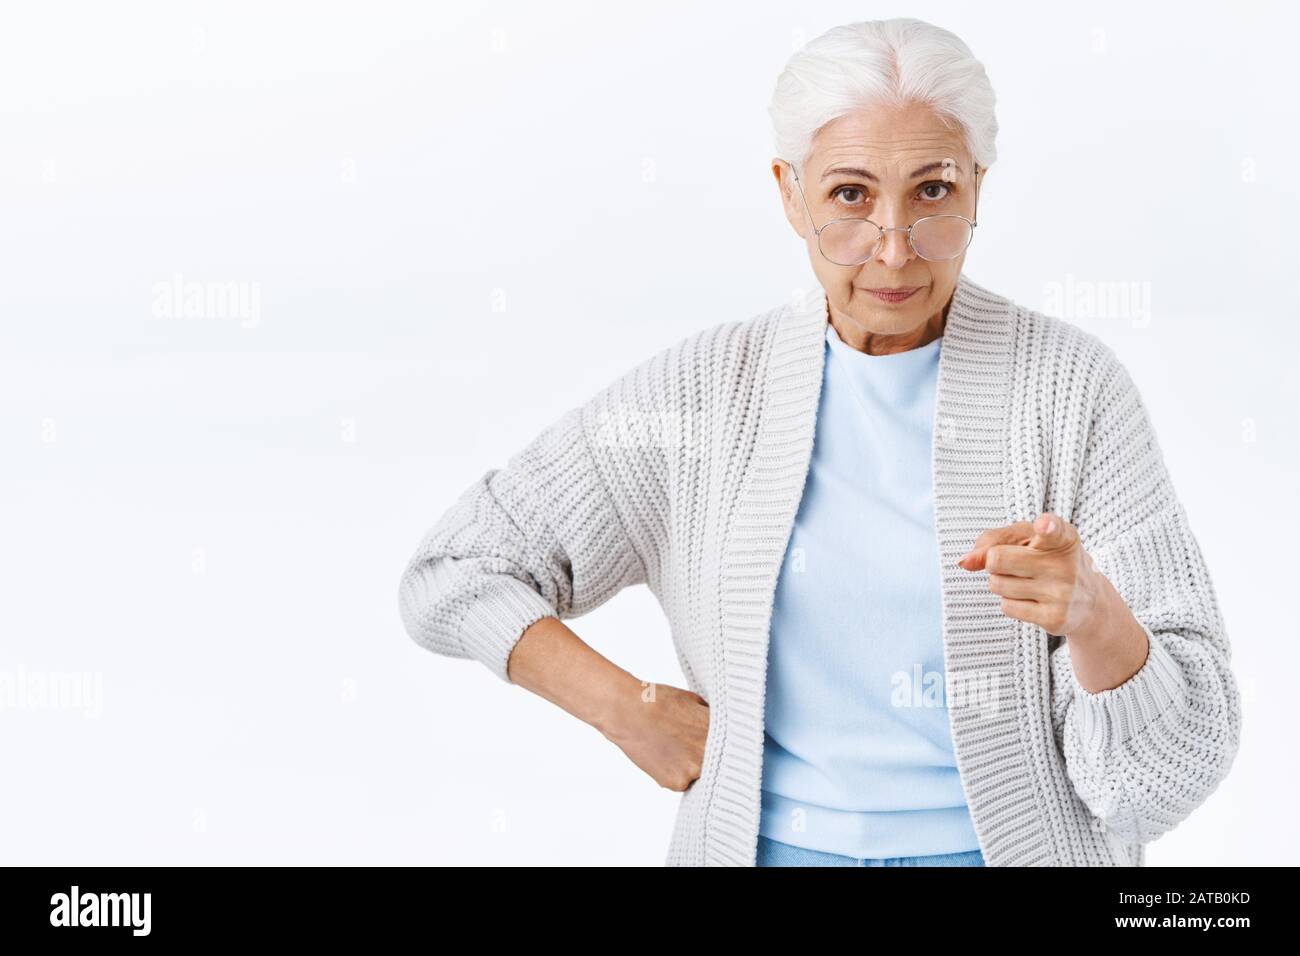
(882, 62)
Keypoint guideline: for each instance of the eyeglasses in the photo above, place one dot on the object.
(851, 242)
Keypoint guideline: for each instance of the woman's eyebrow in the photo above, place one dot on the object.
(867, 174)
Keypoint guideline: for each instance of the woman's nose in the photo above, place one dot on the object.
(895, 250)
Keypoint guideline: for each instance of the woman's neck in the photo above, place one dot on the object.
(876, 343)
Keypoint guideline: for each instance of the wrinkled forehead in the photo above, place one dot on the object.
(887, 145)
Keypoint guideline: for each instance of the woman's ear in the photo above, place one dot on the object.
(777, 166)
(789, 201)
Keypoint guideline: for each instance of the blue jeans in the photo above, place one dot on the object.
(775, 853)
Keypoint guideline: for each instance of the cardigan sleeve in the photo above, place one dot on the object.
(1144, 754)
(541, 537)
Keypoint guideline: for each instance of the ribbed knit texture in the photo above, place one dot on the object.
(685, 475)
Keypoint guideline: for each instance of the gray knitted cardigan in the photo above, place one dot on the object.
(685, 474)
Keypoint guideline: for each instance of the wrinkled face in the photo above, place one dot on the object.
(893, 166)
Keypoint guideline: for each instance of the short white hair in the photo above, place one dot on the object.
(882, 62)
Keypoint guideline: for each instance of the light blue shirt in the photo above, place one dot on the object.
(857, 754)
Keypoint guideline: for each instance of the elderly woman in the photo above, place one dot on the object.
(933, 593)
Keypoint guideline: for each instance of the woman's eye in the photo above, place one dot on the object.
(842, 192)
(935, 185)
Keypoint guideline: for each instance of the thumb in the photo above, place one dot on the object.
(1051, 532)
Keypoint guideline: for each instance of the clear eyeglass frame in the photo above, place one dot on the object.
(820, 230)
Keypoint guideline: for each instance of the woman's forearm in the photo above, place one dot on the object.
(553, 662)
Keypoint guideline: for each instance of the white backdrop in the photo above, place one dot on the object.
(440, 229)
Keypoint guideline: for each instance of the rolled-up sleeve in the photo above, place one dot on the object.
(1143, 755)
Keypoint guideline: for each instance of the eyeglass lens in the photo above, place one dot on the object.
(851, 241)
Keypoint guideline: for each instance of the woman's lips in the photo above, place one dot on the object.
(899, 294)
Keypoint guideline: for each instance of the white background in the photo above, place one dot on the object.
(461, 222)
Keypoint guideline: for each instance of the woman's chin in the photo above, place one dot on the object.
(884, 320)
